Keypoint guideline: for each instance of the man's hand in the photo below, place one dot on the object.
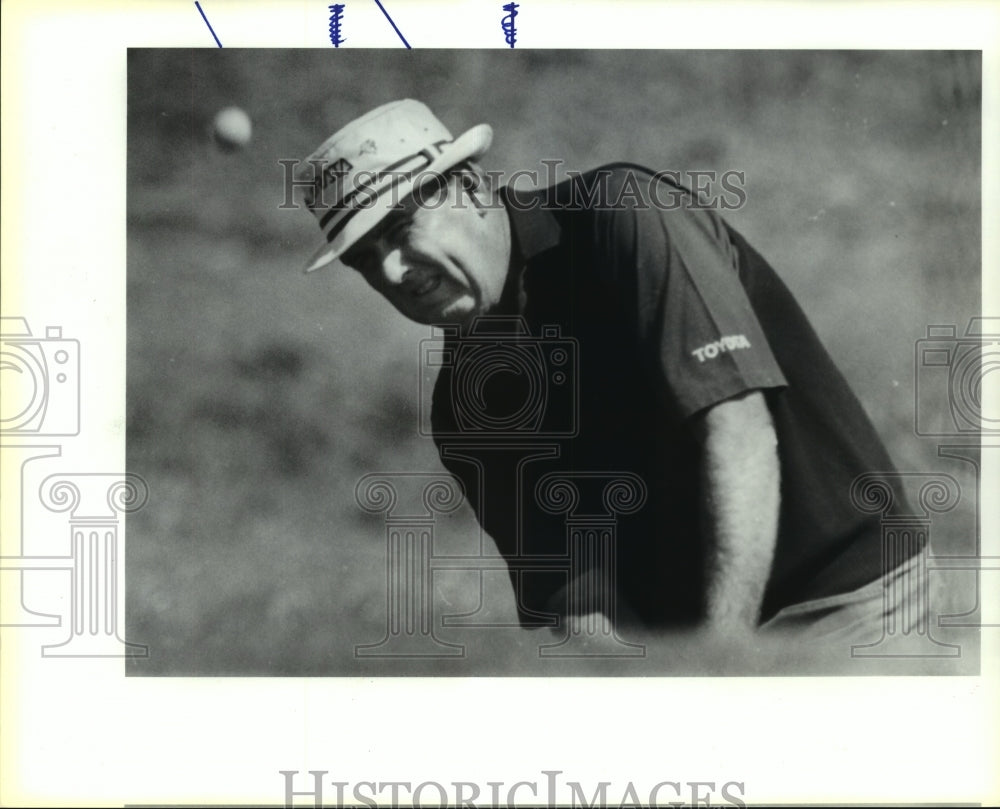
(740, 488)
(589, 601)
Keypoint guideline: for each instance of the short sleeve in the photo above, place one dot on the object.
(677, 274)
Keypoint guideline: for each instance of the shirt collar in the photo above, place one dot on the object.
(533, 228)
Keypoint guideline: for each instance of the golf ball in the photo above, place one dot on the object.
(232, 128)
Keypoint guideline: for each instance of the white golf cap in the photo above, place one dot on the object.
(362, 171)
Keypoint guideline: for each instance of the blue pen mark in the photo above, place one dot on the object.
(208, 23)
(400, 33)
(510, 32)
(336, 16)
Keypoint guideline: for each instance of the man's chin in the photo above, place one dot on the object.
(457, 311)
(461, 311)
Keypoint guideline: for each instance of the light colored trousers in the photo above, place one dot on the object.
(896, 604)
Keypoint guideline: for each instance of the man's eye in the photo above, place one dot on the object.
(367, 263)
(360, 260)
(397, 230)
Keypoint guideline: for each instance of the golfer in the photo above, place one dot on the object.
(693, 371)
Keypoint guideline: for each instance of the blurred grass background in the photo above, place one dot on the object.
(257, 396)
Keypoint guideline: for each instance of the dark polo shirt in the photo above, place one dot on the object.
(662, 314)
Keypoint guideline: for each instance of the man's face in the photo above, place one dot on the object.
(438, 258)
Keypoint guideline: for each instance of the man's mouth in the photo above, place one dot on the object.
(426, 287)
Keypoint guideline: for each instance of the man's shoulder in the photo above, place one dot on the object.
(618, 210)
(604, 188)
(618, 172)
(598, 186)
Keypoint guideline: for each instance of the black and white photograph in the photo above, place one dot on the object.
(464, 403)
(555, 362)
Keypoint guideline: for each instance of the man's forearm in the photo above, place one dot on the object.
(741, 496)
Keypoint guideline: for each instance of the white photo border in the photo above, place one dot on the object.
(78, 732)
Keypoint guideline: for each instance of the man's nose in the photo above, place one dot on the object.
(394, 267)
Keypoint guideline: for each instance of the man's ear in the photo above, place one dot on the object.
(474, 183)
